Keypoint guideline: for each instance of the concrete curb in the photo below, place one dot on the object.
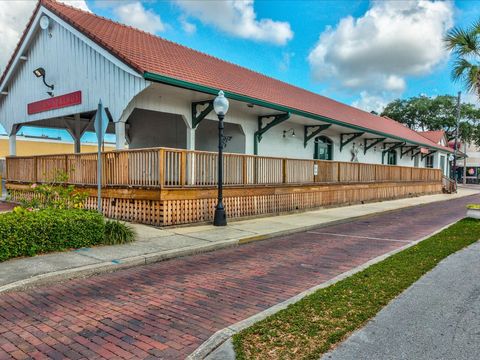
(108, 266)
(222, 337)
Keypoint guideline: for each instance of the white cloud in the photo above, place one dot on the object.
(135, 14)
(187, 26)
(285, 61)
(471, 97)
(80, 4)
(238, 17)
(391, 41)
(372, 102)
(14, 18)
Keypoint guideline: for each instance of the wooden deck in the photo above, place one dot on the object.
(163, 186)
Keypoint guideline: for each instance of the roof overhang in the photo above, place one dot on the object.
(239, 97)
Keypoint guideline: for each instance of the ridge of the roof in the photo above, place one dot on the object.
(432, 135)
(157, 37)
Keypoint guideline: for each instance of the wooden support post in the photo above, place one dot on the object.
(161, 166)
(244, 170)
(66, 167)
(183, 168)
(284, 171)
(35, 176)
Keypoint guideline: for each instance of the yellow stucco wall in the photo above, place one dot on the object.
(44, 147)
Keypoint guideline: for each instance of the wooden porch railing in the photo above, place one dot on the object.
(166, 167)
(449, 186)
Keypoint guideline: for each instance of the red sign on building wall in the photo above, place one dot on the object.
(56, 102)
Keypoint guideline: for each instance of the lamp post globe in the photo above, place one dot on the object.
(220, 105)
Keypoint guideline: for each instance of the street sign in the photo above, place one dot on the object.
(101, 123)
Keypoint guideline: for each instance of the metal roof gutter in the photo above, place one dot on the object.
(209, 90)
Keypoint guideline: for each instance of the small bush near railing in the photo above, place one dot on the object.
(26, 232)
(55, 194)
(117, 232)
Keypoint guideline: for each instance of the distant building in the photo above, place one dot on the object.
(36, 145)
(472, 164)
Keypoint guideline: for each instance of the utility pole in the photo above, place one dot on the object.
(455, 144)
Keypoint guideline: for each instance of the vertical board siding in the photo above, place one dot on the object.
(71, 65)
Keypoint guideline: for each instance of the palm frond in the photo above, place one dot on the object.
(466, 72)
(463, 42)
(475, 29)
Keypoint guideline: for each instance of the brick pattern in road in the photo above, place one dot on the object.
(166, 310)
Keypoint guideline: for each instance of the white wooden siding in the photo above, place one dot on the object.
(71, 65)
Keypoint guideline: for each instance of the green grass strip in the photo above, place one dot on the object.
(311, 327)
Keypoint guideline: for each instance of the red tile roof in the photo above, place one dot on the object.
(433, 135)
(151, 54)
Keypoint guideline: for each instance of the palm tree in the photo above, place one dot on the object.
(465, 45)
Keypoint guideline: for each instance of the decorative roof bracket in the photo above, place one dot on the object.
(276, 119)
(198, 116)
(373, 142)
(347, 138)
(415, 154)
(429, 153)
(394, 145)
(408, 149)
(316, 129)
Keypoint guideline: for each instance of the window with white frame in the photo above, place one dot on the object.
(429, 161)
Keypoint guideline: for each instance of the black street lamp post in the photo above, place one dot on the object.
(220, 105)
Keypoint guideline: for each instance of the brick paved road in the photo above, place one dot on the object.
(166, 310)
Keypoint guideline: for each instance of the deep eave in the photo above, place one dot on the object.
(239, 97)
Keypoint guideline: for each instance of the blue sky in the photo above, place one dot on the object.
(363, 53)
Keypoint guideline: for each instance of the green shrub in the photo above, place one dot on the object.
(27, 233)
(117, 232)
(55, 194)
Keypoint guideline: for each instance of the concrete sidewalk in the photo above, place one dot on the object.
(155, 244)
(438, 317)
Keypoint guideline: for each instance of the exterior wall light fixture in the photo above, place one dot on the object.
(220, 105)
(291, 130)
(40, 72)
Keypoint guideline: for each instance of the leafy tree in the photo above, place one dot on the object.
(424, 113)
(465, 45)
